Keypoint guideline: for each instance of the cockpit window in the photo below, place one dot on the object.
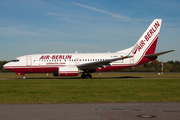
(16, 60)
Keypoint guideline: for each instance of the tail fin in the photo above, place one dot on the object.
(147, 43)
(144, 50)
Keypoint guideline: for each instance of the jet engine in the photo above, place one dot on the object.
(67, 71)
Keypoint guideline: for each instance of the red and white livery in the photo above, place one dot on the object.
(71, 64)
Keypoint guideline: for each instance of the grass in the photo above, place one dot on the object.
(110, 88)
(97, 75)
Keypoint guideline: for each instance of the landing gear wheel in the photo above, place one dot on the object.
(83, 76)
(24, 77)
(89, 76)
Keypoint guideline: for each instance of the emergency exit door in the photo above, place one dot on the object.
(132, 60)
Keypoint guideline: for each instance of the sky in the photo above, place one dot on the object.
(86, 26)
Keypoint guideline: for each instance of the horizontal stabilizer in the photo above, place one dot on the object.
(157, 54)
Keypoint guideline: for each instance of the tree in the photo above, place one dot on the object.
(156, 64)
(1, 64)
(170, 62)
(167, 67)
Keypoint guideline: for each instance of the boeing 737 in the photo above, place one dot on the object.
(72, 64)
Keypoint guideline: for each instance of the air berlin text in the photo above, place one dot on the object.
(47, 57)
(149, 34)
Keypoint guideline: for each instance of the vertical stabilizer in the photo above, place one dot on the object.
(147, 42)
(146, 45)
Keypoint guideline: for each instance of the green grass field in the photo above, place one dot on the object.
(111, 87)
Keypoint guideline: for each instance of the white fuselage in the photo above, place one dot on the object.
(43, 62)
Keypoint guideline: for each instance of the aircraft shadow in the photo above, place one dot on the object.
(123, 77)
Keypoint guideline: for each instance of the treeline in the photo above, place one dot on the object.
(154, 66)
(1, 65)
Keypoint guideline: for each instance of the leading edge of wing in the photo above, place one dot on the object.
(98, 64)
(158, 54)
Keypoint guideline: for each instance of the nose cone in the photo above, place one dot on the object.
(6, 66)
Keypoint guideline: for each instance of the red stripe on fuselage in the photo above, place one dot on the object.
(112, 68)
(34, 70)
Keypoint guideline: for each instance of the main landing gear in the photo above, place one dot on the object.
(86, 75)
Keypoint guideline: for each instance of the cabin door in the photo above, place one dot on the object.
(28, 61)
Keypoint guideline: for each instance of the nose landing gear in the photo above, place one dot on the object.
(24, 77)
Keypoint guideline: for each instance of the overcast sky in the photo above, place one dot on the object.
(67, 26)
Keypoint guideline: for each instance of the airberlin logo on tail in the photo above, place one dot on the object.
(47, 57)
(149, 34)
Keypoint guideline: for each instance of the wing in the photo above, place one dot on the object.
(98, 64)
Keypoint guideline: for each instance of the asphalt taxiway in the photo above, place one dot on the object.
(91, 111)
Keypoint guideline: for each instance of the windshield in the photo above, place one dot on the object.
(16, 60)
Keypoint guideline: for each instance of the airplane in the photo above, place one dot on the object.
(72, 64)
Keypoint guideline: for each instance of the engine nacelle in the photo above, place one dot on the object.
(67, 71)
